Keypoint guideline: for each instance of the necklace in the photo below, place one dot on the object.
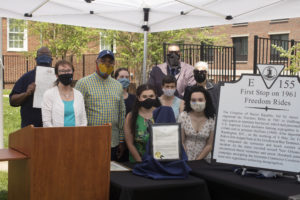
(66, 94)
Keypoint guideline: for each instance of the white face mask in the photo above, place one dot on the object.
(169, 92)
(198, 106)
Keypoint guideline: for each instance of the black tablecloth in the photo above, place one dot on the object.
(224, 184)
(127, 186)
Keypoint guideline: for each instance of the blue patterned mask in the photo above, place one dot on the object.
(125, 82)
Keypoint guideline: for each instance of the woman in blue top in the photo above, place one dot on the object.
(62, 105)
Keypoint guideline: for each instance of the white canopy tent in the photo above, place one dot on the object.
(163, 15)
(127, 15)
(148, 15)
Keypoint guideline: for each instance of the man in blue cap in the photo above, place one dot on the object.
(22, 93)
(103, 97)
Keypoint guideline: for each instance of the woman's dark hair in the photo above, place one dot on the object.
(209, 109)
(169, 79)
(59, 63)
(137, 105)
(118, 71)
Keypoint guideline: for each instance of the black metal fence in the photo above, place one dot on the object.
(265, 53)
(221, 59)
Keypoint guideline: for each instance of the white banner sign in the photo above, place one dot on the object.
(259, 126)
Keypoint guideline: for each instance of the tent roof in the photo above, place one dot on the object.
(127, 15)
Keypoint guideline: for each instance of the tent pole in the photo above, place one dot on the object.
(1, 88)
(146, 29)
(145, 56)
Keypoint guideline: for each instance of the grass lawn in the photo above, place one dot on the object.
(11, 123)
(12, 118)
(3, 185)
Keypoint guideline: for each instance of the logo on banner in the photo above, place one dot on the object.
(270, 73)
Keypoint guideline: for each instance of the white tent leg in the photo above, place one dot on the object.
(1, 88)
(145, 56)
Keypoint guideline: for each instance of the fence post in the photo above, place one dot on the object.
(234, 63)
(27, 67)
(292, 43)
(3, 82)
(83, 65)
(190, 55)
(293, 52)
(202, 51)
(255, 55)
(164, 49)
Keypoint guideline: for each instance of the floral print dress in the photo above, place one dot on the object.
(195, 141)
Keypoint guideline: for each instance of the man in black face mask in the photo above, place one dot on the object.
(183, 72)
(201, 75)
(22, 93)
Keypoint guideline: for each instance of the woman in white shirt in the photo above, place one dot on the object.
(63, 105)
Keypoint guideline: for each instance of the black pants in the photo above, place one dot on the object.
(114, 151)
(124, 157)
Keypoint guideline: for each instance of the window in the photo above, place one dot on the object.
(16, 35)
(280, 40)
(106, 44)
(241, 48)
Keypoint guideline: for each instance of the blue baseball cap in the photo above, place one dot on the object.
(105, 53)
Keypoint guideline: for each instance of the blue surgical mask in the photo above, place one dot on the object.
(44, 60)
(125, 82)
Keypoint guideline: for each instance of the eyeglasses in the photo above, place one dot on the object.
(65, 71)
(106, 61)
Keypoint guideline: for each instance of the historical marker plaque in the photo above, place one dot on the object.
(258, 123)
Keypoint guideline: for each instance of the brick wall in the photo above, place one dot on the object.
(262, 29)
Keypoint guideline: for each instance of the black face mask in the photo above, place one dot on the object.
(65, 79)
(200, 76)
(173, 60)
(148, 103)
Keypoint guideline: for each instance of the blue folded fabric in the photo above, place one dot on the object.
(154, 169)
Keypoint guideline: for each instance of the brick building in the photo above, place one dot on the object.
(242, 37)
(17, 43)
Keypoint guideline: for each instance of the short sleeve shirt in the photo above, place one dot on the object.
(29, 115)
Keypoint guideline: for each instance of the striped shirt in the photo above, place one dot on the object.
(104, 104)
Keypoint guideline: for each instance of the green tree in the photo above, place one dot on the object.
(293, 54)
(64, 40)
(61, 39)
(130, 46)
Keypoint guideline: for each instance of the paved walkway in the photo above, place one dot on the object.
(4, 166)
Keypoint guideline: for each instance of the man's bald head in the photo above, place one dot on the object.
(43, 51)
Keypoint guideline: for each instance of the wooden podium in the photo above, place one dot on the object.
(66, 163)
